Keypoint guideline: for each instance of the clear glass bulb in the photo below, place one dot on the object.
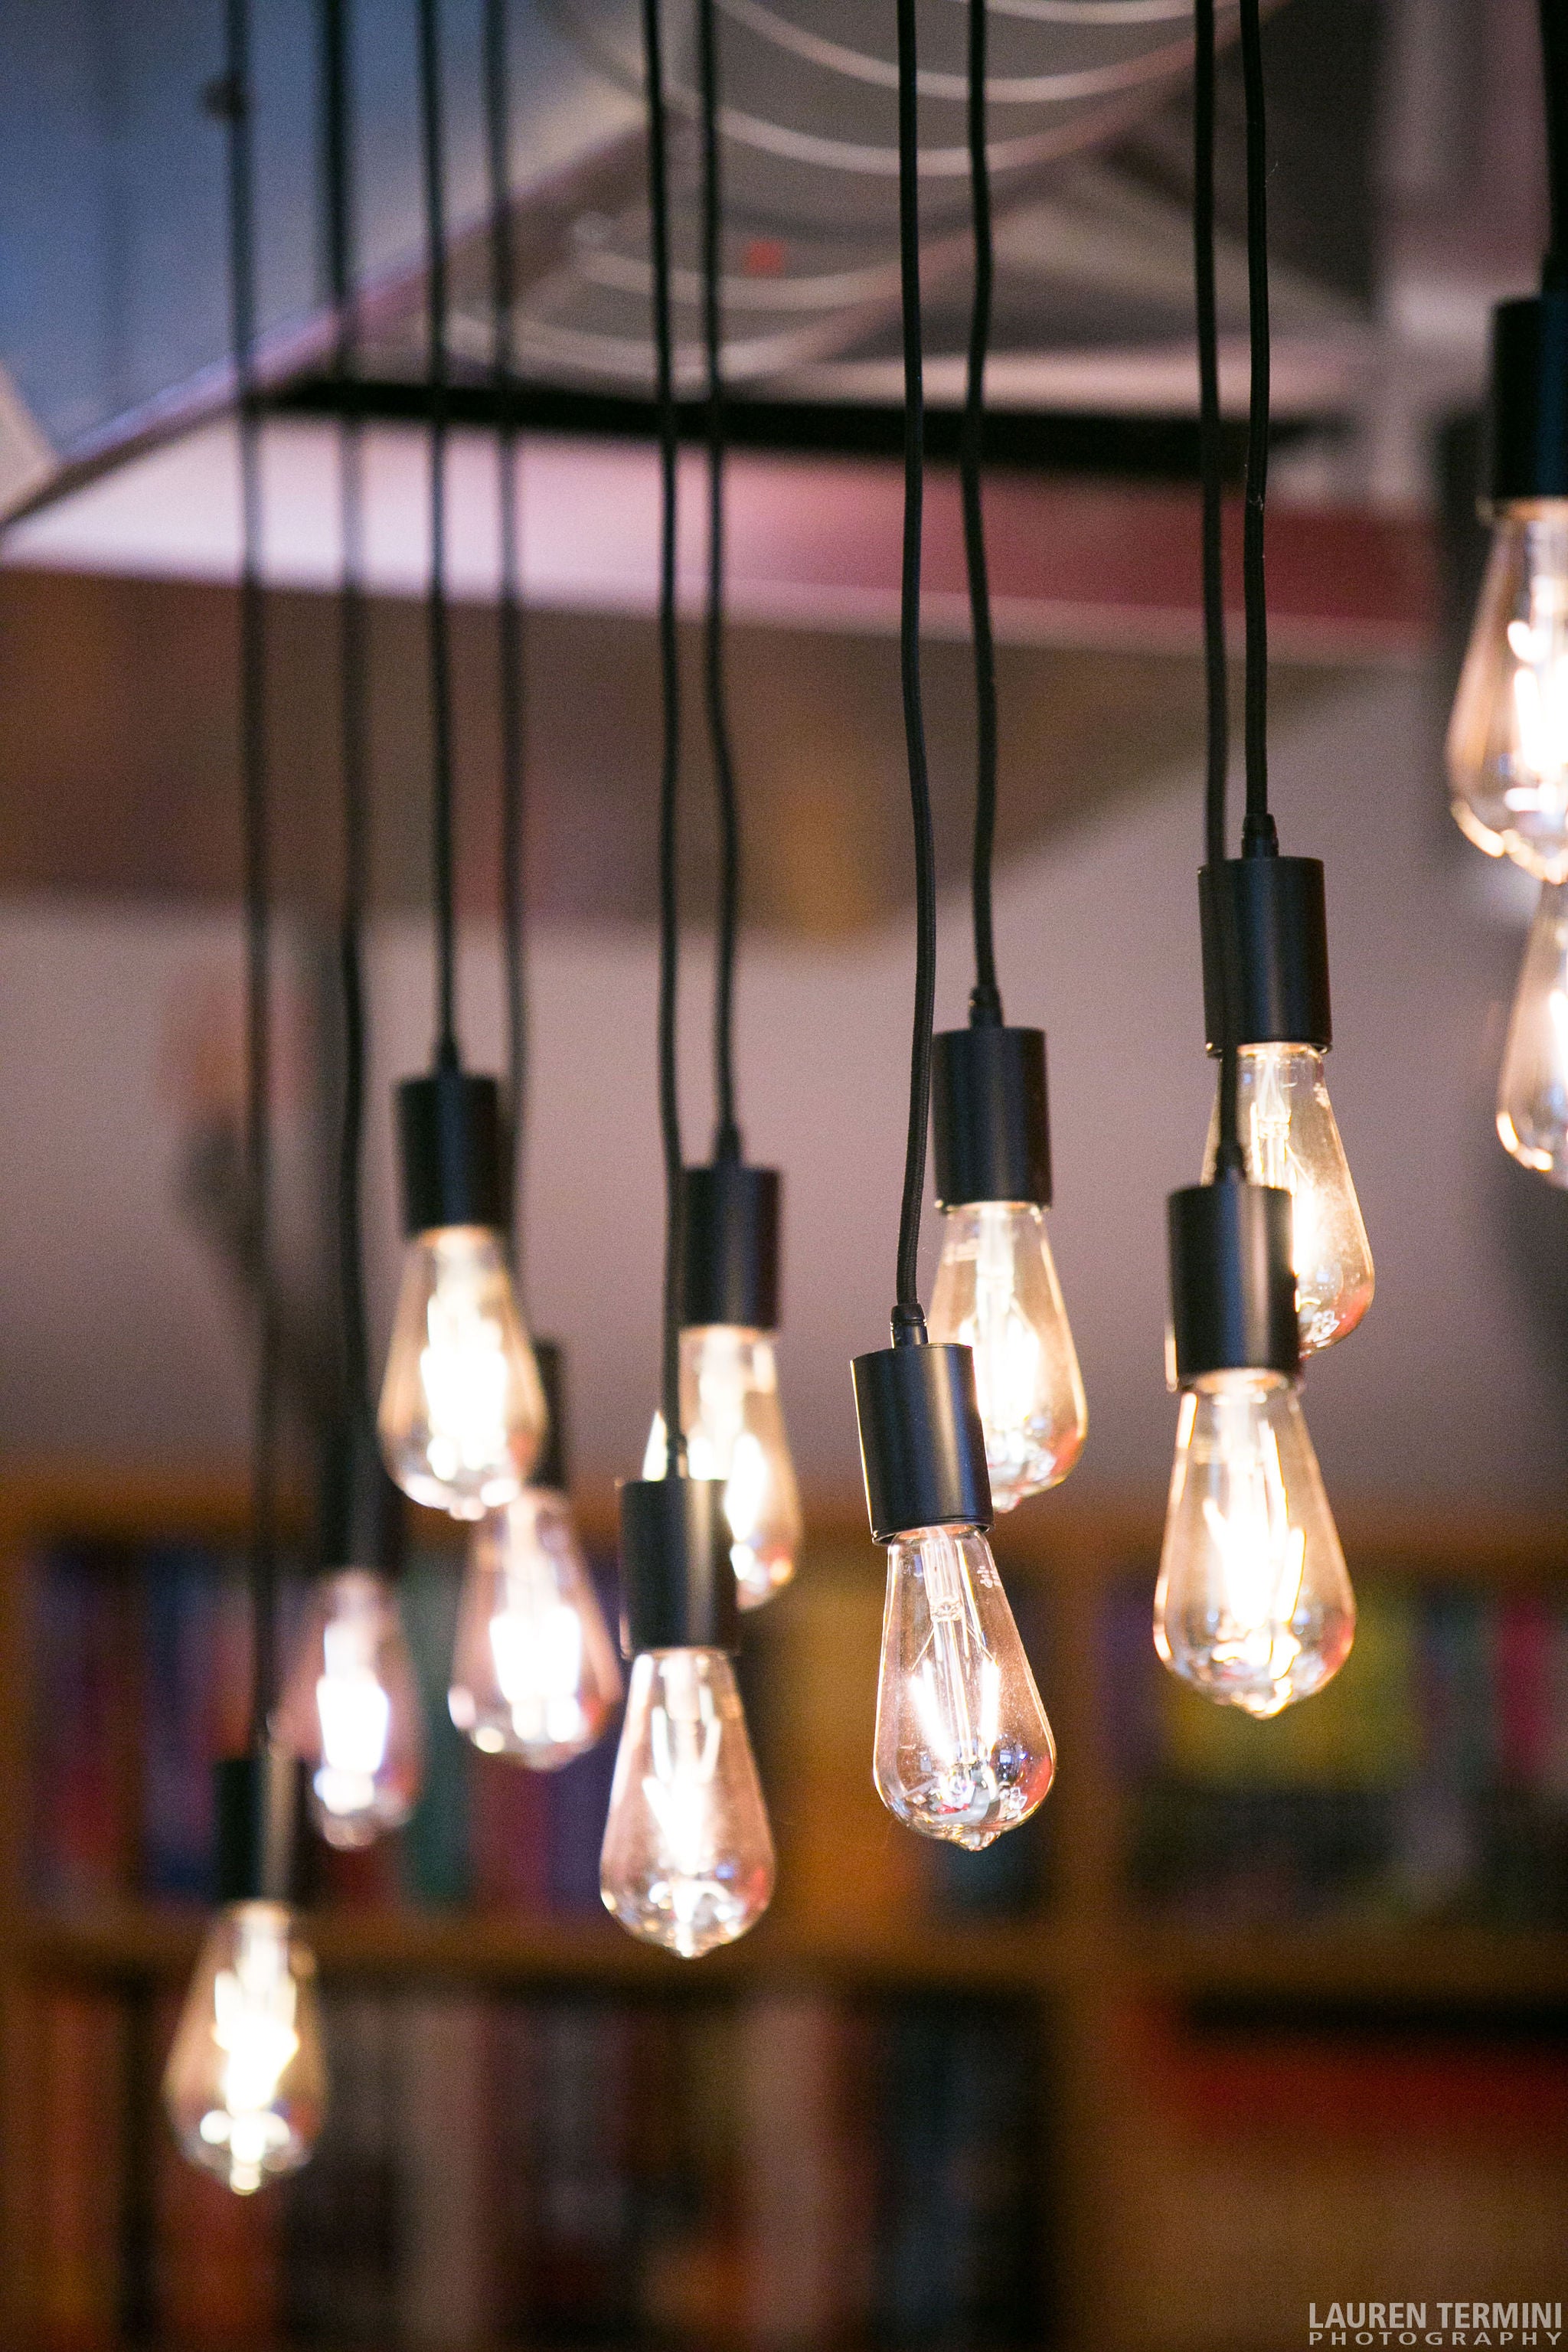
(535, 1672)
(734, 1431)
(963, 1749)
(996, 1292)
(351, 1709)
(462, 1411)
(245, 2084)
(1290, 1138)
(1532, 1087)
(1254, 1605)
(1507, 737)
(688, 1858)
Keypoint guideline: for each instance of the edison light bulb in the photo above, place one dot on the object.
(688, 1858)
(1254, 1606)
(351, 1709)
(1290, 1138)
(1508, 739)
(462, 1412)
(735, 1431)
(1533, 1089)
(245, 2084)
(996, 1292)
(534, 1673)
(963, 1749)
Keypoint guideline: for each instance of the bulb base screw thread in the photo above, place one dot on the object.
(453, 1151)
(730, 1255)
(1264, 921)
(1233, 1282)
(1529, 414)
(677, 1584)
(923, 1445)
(991, 1130)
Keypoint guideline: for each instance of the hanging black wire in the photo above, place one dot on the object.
(1258, 837)
(1211, 462)
(985, 1000)
(433, 163)
(352, 714)
(231, 97)
(727, 1136)
(909, 1321)
(669, 771)
(1554, 64)
(508, 600)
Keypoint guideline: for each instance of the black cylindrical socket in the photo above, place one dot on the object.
(362, 1508)
(453, 1158)
(1233, 1284)
(990, 1126)
(1265, 917)
(730, 1252)
(922, 1446)
(551, 1470)
(677, 1582)
(260, 1801)
(1529, 399)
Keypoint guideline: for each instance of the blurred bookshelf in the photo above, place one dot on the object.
(1233, 1976)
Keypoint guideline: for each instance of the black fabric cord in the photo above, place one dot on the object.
(669, 774)
(727, 1136)
(909, 1321)
(508, 602)
(1554, 64)
(433, 163)
(352, 719)
(233, 99)
(1258, 839)
(985, 1000)
(1229, 1159)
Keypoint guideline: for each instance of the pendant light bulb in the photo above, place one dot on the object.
(462, 1414)
(1289, 1138)
(351, 1709)
(735, 1433)
(534, 1673)
(688, 1857)
(996, 1292)
(1507, 737)
(1532, 1086)
(1254, 1606)
(245, 2084)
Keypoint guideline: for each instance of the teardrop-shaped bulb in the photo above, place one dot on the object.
(351, 1709)
(688, 1858)
(963, 1749)
(1254, 1606)
(1290, 1138)
(245, 2084)
(462, 1412)
(996, 1292)
(1507, 737)
(734, 1427)
(534, 1673)
(1532, 1086)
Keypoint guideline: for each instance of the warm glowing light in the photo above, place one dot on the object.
(996, 1292)
(963, 1749)
(534, 1673)
(1508, 739)
(462, 1412)
(1254, 1605)
(688, 1859)
(351, 1709)
(1532, 1087)
(246, 2083)
(734, 1432)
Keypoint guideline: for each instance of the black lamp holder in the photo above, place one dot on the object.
(453, 1148)
(1529, 399)
(923, 1445)
(991, 1130)
(1263, 920)
(1233, 1283)
(730, 1248)
(677, 1582)
(259, 1806)
(551, 1471)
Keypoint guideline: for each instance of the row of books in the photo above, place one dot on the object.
(783, 2170)
(1429, 1782)
(139, 1679)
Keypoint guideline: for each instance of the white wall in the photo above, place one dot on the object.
(118, 1342)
